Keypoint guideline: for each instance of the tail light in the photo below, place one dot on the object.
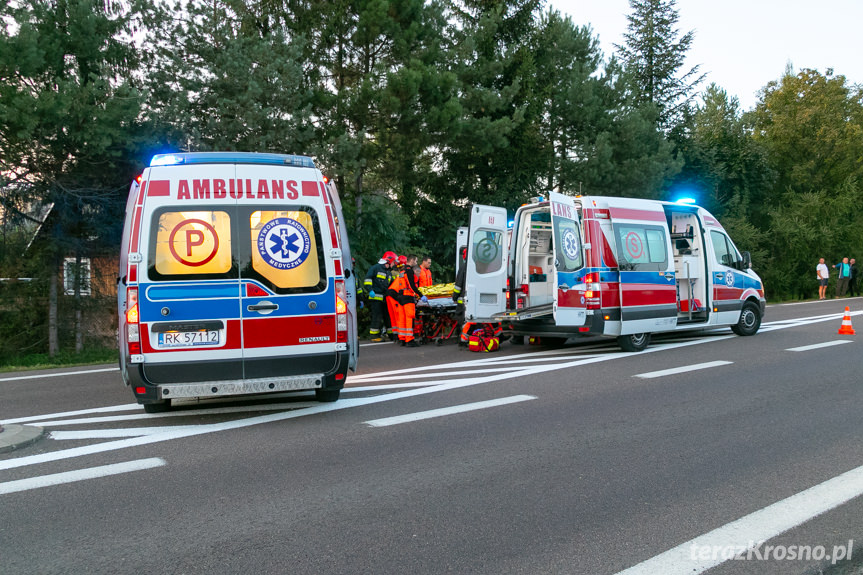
(133, 334)
(592, 298)
(524, 288)
(341, 312)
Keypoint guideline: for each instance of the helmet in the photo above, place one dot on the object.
(389, 256)
(403, 260)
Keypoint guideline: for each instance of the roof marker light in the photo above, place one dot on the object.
(166, 160)
(686, 201)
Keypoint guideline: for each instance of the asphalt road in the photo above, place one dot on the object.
(580, 459)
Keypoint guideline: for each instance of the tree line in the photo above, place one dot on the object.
(416, 109)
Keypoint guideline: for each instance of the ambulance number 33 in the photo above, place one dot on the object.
(189, 338)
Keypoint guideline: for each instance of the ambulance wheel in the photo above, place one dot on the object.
(327, 395)
(750, 320)
(158, 407)
(554, 341)
(634, 341)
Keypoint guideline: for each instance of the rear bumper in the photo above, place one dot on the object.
(192, 379)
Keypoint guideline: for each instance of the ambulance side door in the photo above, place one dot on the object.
(485, 279)
(349, 275)
(648, 293)
(569, 303)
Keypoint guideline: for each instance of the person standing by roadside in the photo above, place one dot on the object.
(844, 277)
(852, 282)
(823, 275)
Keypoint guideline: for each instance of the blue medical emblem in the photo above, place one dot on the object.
(570, 244)
(284, 243)
(729, 279)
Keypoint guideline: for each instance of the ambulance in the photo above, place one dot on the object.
(604, 266)
(235, 279)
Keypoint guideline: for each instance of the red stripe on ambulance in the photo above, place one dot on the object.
(280, 331)
(159, 188)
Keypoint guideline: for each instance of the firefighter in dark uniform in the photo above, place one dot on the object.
(376, 282)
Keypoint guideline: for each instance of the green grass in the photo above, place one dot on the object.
(62, 359)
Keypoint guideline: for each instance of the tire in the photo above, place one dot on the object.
(327, 395)
(517, 340)
(554, 341)
(634, 342)
(750, 320)
(158, 407)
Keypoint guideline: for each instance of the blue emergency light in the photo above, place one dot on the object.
(686, 201)
(232, 158)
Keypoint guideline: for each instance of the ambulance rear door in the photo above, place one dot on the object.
(288, 302)
(185, 241)
(569, 302)
(485, 280)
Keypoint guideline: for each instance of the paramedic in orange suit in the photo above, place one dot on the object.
(425, 279)
(408, 298)
(393, 306)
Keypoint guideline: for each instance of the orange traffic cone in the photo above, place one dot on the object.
(846, 328)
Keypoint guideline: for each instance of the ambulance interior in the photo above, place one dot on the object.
(534, 259)
(689, 266)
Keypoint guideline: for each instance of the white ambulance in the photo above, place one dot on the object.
(618, 267)
(235, 278)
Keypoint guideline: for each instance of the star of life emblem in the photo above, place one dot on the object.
(729, 279)
(570, 244)
(284, 243)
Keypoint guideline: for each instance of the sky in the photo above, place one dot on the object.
(744, 44)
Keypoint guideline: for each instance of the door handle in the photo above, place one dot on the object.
(263, 307)
(668, 275)
(563, 287)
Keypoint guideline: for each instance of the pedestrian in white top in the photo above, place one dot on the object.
(823, 274)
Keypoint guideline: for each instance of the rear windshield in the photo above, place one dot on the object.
(279, 246)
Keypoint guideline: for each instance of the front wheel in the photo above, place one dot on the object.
(750, 320)
(633, 342)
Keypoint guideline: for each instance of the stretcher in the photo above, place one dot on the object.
(437, 321)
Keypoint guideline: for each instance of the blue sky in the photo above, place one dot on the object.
(744, 44)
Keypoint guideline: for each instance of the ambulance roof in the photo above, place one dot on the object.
(232, 158)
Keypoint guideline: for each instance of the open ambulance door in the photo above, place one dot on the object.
(569, 302)
(485, 279)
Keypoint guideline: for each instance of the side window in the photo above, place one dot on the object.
(723, 249)
(286, 250)
(487, 251)
(191, 245)
(641, 248)
(567, 241)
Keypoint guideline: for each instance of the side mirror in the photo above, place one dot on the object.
(747, 261)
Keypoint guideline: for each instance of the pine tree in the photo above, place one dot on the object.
(654, 54)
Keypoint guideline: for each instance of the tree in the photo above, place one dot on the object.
(653, 54)
(227, 75)
(724, 167)
(68, 122)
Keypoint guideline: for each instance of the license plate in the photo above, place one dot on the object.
(189, 338)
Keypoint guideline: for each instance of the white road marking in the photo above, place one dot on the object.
(114, 433)
(682, 369)
(387, 421)
(819, 345)
(79, 475)
(181, 413)
(41, 375)
(749, 531)
(109, 409)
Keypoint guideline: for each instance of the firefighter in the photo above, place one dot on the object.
(376, 283)
(425, 277)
